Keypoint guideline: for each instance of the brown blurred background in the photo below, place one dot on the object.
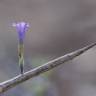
(57, 27)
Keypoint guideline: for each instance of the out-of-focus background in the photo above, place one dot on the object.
(57, 27)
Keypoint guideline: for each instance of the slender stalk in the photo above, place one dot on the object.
(21, 56)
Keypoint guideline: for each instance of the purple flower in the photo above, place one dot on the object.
(21, 29)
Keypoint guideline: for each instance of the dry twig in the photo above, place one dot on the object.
(6, 85)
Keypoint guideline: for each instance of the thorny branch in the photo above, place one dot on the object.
(6, 85)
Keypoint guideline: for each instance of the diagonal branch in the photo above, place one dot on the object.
(6, 85)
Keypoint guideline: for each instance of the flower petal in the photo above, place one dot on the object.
(21, 28)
